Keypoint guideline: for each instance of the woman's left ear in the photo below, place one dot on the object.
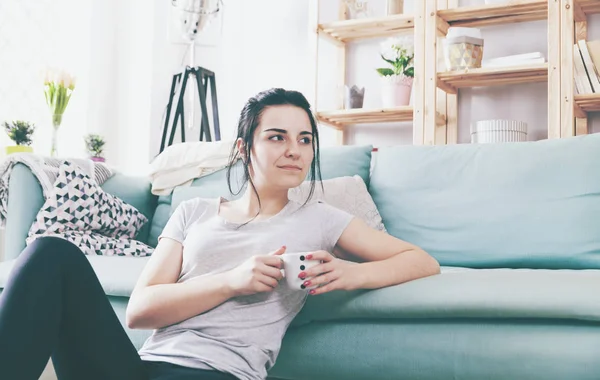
(241, 147)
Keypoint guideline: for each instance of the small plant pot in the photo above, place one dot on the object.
(19, 149)
(354, 97)
(98, 159)
(395, 91)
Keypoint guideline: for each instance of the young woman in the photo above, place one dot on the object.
(211, 290)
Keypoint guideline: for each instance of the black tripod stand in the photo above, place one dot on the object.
(204, 77)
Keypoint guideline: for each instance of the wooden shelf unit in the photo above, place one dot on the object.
(575, 114)
(566, 20)
(340, 33)
(434, 110)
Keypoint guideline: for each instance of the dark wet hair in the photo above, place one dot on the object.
(248, 122)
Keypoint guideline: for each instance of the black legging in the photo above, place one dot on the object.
(54, 305)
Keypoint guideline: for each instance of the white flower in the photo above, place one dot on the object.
(393, 47)
(58, 77)
(389, 53)
(55, 77)
(68, 80)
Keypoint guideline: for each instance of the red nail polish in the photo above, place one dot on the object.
(306, 283)
(308, 257)
(312, 291)
(302, 275)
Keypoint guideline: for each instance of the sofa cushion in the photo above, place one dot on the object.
(456, 293)
(117, 274)
(469, 293)
(528, 204)
(337, 161)
(348, 193)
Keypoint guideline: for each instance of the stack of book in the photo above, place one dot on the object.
(515, 60)
(586, 61)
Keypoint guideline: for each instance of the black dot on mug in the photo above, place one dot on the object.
(302, 286)
(302, 267)
(301, 258)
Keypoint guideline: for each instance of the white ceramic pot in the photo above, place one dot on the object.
(395, 91)
(496, 131)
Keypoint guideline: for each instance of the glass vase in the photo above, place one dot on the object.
(56, 121)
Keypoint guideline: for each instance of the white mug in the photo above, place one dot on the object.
(293, 264)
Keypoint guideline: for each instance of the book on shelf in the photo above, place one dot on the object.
(586, 64)
(590, 68)
(583, 85)
(515, 60)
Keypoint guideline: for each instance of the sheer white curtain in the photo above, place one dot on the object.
(35, 35)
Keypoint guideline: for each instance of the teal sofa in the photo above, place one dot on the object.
(515, 227)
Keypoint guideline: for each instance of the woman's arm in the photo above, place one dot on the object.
(158, 300)
(368, 259)
(387, 260)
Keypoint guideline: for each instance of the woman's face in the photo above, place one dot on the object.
(282, 153)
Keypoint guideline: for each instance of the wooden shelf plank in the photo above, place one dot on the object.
(341, 118)
(493, 76)
(496, 14)
(589, 7)
(348, 30)
(588, 102)
(362, 115)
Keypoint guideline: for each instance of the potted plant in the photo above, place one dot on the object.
(95, 146)
(20, 132)
(397, 79)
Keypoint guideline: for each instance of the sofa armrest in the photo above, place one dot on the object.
(25, 198)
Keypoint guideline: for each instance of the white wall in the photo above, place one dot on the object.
(51, 33)
(121, 79)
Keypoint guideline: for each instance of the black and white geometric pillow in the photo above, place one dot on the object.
(99, 223)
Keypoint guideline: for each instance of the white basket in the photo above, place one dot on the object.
(495, 131)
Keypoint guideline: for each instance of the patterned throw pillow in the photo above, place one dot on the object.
(78, 210)
(346, 193)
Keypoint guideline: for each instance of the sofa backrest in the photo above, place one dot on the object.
(336, 161)
(533, 204)
(136, 192)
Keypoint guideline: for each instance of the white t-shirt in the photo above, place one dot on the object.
(243, 335)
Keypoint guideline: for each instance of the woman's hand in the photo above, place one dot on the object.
(331, 274)
(258, 274)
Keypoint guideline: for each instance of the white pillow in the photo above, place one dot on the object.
(346, 193)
